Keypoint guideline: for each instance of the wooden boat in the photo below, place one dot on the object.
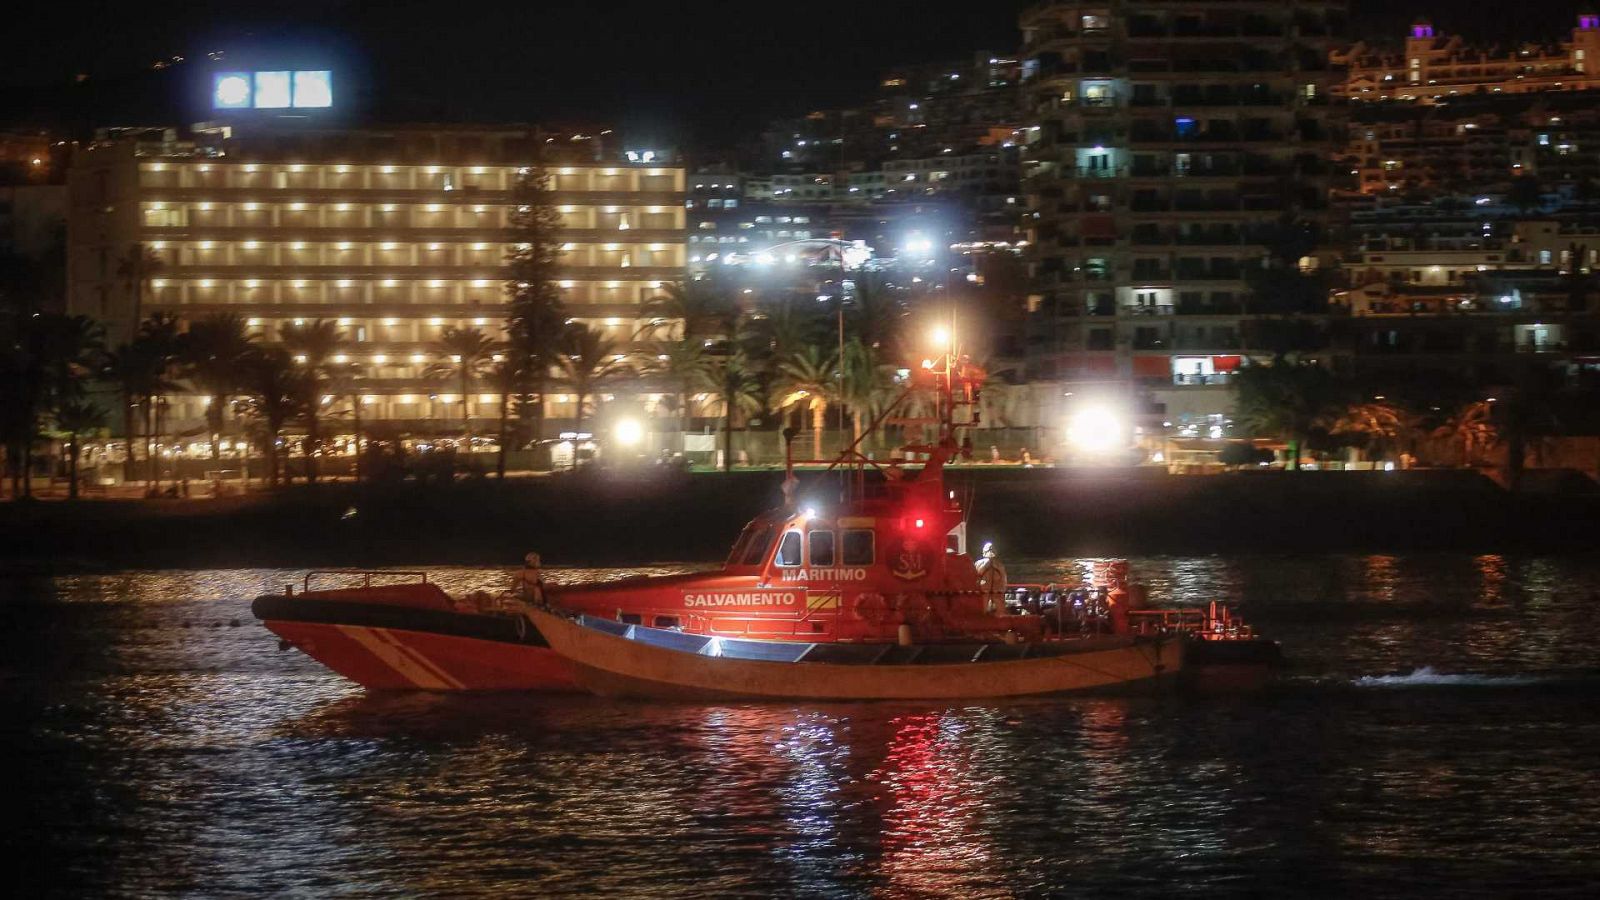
(612, 659)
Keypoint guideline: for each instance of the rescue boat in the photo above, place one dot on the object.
(861, 586)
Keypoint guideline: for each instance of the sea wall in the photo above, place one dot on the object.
(607, 519)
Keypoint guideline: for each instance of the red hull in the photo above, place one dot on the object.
(393, 659)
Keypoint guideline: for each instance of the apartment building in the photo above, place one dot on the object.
(1171, 144)
(1433, 68)
(396, 234)
(1469, 294)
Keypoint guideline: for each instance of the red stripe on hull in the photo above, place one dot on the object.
(390, 659)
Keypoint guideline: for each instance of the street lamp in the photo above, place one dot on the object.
(629, 432)
(1095, 430)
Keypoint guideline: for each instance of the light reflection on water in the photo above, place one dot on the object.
(158, 748)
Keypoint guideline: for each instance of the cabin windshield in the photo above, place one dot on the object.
(755, 551)
(740, 545)
(789, 550)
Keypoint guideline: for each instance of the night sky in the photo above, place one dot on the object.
(663, 69)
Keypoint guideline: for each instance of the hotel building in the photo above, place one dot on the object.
(396, 234)
(1171, 142)
(1434, 68)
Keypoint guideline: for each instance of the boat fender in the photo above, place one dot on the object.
(903, 635)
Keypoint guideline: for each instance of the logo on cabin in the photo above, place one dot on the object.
(909, 564)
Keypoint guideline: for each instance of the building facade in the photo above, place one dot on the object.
(395, 234)
(1171, 144)
(1434, 68)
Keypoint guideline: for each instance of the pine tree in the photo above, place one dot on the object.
(536, 318)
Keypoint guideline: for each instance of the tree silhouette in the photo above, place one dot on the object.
(589, 361)
(277, 391)
(536, 318)
(314, 346)
(464, 356)
(210, 353)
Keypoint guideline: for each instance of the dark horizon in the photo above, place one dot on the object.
(653, 71)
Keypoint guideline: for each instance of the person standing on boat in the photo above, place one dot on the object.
(532, 579)
(992, 580)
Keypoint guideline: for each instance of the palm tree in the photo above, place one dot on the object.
(1473, 425)
(210, 353)
(138, 375)
(590, 361)
(707, 309)
(136, 269)
(1285, 399)
(157, 342)
(276, 391)
(315, 346)
(45, 359)
(1379, 422)
(738, 390)
(875, 315)
(687, 367)
(140, 369)
(76, 418)
(464, 355)
(865, 384)
(808, 376)
(66, 351)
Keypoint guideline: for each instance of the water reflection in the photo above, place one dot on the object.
(935, 841)
(160, 750)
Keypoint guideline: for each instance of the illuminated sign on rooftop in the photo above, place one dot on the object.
(272, 90)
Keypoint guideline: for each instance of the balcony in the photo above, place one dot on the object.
(1218, 379)
(1203, 308)
(1209, 238)
(1098, 172)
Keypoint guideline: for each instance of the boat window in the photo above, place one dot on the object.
(755, 552)
(630, 619)
(667, 622)
(745, 537)
(821, 548)
(857, 549)
(789, 550)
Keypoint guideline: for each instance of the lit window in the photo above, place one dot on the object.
(313, 90)
(272, 90)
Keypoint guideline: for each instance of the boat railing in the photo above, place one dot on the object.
(366, 576)
(1216, 624)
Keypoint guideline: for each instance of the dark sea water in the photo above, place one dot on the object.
(1438, 736)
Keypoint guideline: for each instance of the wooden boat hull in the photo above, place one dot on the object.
(615, 666)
